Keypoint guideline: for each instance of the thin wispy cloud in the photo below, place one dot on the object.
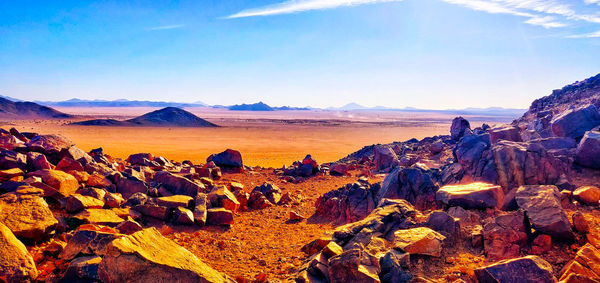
(586, 35)
(592, 2)
(296, 6)
(166, 27)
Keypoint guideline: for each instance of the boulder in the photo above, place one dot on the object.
(588, 150)
(27, 214)
(349, 203)
(16, 264)
(49, 144)
(523, 269)
(83, 269)
(443, 223)
(349, 267)
(68, 164)
(127, 185)
(421, 241)
(394, 267)
(270, 191)
(544, 211)
(436, 147)
(339, 169)
(220, 196)
(580, 223)
(227, 158)
(460, 127)
(63, 184)
(200, 210)
(505, 132)
(38, 161)
(469, 196)
(178, 185)
(76, 202)
(473, 154)
(154, 211)
(175, 201)
(10, 142)
(414, 184)
(87, 240)
(384, 158)
(183, 216)
(589, 195)
(10, 159)
(219, 216)
(140, 158)
(147, 256)
(575, 122)
(8, 174)
(504, 236)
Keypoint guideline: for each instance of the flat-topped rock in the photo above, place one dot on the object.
(474, 195)
(147, 256)
(175, 201)
(63, 183)
(76, 202)
(421, 240)
(49, 144)
(523, 269)
(544, 211)
(178, 185)
(99, 216)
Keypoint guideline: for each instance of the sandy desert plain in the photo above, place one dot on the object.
(265, 138)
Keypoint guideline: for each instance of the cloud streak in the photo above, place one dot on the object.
(296, 6)
(586, 35)
(166, 27)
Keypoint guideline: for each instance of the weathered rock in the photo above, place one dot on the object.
(460, 127)
(137, 199)
(140, 159)
(580, 223)
(27, 214)
(421, 240)
(349, 203)
(394, 267)
(113, 200)
(76, 202)
(219, 216)
(505, 132)
(10, 159)
(588, 150)
(413, 184)
(49, 144)
(87, 241)
(127, 185)
(339, 169)
(589, 195)
(468, 196)
(436, 146)
(10, 142)
(154, 211)
(8, 174)
(505, 236)
(183, 216)
(384, 158)
(98, 216)
(349, 267)
(83, 269)
(523, 269)
(295, 216)
(16, 264)
(475, 157)
(227, 158)
(541, 244)
(176, 201)
(178, 185)
(200, 210)
(586, 262)
(258, 201)
(575, 122)
(220, 196)
(64, 184)
(270, 191)
(542, 205)
(38, 161)
(147, 256)
(443, 223)
(68, 164)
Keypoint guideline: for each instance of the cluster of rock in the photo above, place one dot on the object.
(308, 167)
(101, 206)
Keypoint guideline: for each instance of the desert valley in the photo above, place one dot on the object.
(146, 194)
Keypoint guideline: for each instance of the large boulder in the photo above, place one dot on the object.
(468, 196)
(349, 203)
(349, 267)
(98, 216)
(414, 184)
(504, 236)
(76, 202)
(269, 190)
(147, 256)
(49, 144)
(10, 159)
(16, 264)
(588, 150)
(505, 132)
(63, 184)
(460, 127)
(228, 158)
(27, 214)
(523, 269)
(544, 211)
(473, 154)
(384, 158)
(575, 122)
(128, 185)
(178, 185)
(421, 241)
(87, 240)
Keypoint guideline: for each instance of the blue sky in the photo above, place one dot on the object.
(433, 54)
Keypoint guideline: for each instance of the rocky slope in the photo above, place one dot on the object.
(508, 203)
(28, 110)
(166, 117)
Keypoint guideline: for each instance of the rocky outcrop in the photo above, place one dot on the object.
(585, 265)
(575, 122)
(384, 158)
(588, 150)
(460, 127)
(16, 264)
(148, 256)
(349, 203)
(544, 211)
(414, 184)
(473, 154)
(523, 269)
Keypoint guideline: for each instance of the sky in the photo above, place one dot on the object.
(434, 54)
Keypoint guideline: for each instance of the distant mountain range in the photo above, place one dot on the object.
(166, 117)
(261, 106)
(28, 110)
